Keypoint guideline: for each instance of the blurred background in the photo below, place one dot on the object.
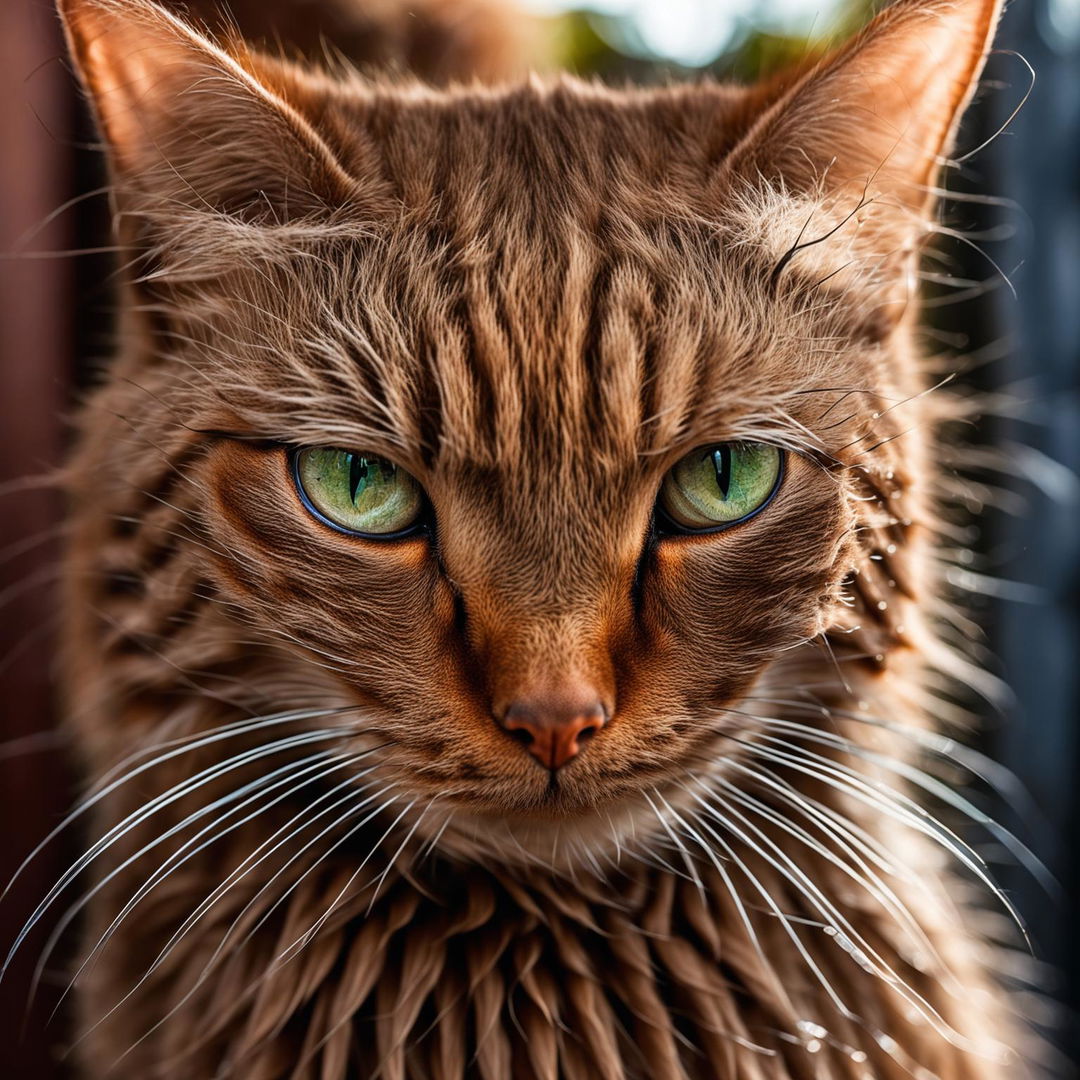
(1012, 331)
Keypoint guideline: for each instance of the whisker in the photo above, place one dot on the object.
(249, 863)
(285, 775)
(687, 860)
(888, 801)
(150, 808)
(933, 786)
(299, 944)
(860, 872)
(774, 908)
(106, 786)
(854, 944)
(736, 899)
(208, 968)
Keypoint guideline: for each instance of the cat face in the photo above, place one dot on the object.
(540, 425)
(535, 303)
(544, 570)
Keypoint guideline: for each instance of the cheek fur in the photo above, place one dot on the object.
(732, 601)
(381, 608)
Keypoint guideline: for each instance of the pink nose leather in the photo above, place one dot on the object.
(554, 731)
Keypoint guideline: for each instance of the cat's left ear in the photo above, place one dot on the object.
(878, 114)
(193, 124)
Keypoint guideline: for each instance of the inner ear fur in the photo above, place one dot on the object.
(878, 114)
(193, 123)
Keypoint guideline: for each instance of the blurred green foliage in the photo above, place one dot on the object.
(590, 43)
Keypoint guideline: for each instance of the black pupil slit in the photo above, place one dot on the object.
(358, 470)
(722, 463)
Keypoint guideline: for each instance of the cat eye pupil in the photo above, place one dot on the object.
(360, 466)
(357, 471)
(722, 464)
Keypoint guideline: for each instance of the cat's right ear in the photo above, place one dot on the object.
(877, 116)
(194, 124)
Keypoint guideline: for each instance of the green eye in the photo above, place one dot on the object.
(357, 492)
(715, 486)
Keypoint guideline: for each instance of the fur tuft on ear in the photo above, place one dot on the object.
(192, 124)
(879, 113)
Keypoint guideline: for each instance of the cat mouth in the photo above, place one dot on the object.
(563, 795)
(559, 829)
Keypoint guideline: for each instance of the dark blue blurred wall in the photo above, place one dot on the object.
(1038, 635)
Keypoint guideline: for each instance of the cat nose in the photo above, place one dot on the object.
(554, 729)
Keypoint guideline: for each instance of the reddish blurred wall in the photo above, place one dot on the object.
(35, 363)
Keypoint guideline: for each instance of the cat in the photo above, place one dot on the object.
(503, 599)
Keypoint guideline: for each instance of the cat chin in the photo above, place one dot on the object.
(592, 838)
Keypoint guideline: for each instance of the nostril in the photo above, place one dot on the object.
(588, 732)
(521, 735)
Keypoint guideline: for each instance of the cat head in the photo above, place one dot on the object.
(546, 421)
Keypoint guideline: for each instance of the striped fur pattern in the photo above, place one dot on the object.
(311, 851)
